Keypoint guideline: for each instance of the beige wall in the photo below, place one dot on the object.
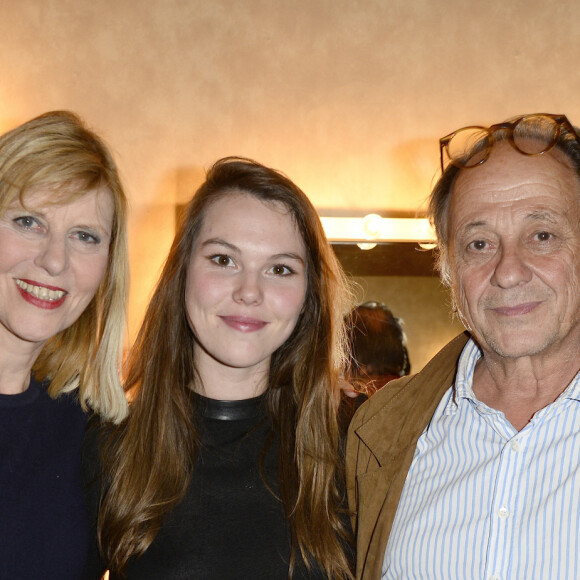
(348, 98)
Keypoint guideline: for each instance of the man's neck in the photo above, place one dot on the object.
(520, 387)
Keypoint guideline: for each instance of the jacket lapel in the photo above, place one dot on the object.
(387, 428)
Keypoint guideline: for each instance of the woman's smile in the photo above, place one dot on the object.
(41, 295)
(244, 323)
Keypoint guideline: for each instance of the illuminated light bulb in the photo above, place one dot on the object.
(372, 226)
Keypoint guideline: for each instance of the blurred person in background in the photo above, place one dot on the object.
(378, 346)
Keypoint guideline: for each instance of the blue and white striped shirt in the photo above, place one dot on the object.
(483, 501)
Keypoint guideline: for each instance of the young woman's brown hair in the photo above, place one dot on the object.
(149, 459)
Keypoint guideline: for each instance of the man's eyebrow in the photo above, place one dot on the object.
(534, 216)
(541, 215)
(471, 226)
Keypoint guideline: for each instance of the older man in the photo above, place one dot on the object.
(471, 469)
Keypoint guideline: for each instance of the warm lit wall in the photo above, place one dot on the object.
(348, 98)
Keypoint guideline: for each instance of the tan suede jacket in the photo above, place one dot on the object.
(381, 443)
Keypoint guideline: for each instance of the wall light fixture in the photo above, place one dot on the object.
(372, 229)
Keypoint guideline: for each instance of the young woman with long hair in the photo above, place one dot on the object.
(229, 464)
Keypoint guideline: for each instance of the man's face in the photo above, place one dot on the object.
(515, 253)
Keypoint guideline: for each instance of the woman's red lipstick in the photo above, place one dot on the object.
(41, 295)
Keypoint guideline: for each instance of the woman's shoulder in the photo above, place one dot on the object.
(65, 405)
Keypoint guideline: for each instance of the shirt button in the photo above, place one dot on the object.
(503, 513)
(495, 577)
(516, 445)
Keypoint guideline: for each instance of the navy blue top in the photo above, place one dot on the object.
(43, 522)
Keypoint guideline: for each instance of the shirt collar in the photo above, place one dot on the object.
(572, 390)
(463, 388)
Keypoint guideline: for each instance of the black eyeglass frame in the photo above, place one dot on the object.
(509, 126)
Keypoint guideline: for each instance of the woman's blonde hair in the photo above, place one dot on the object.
(149, 458)
(57, 152)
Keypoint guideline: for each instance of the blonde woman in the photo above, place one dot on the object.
(62, 296)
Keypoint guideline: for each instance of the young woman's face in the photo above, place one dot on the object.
(52, 260)
(246, 284)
